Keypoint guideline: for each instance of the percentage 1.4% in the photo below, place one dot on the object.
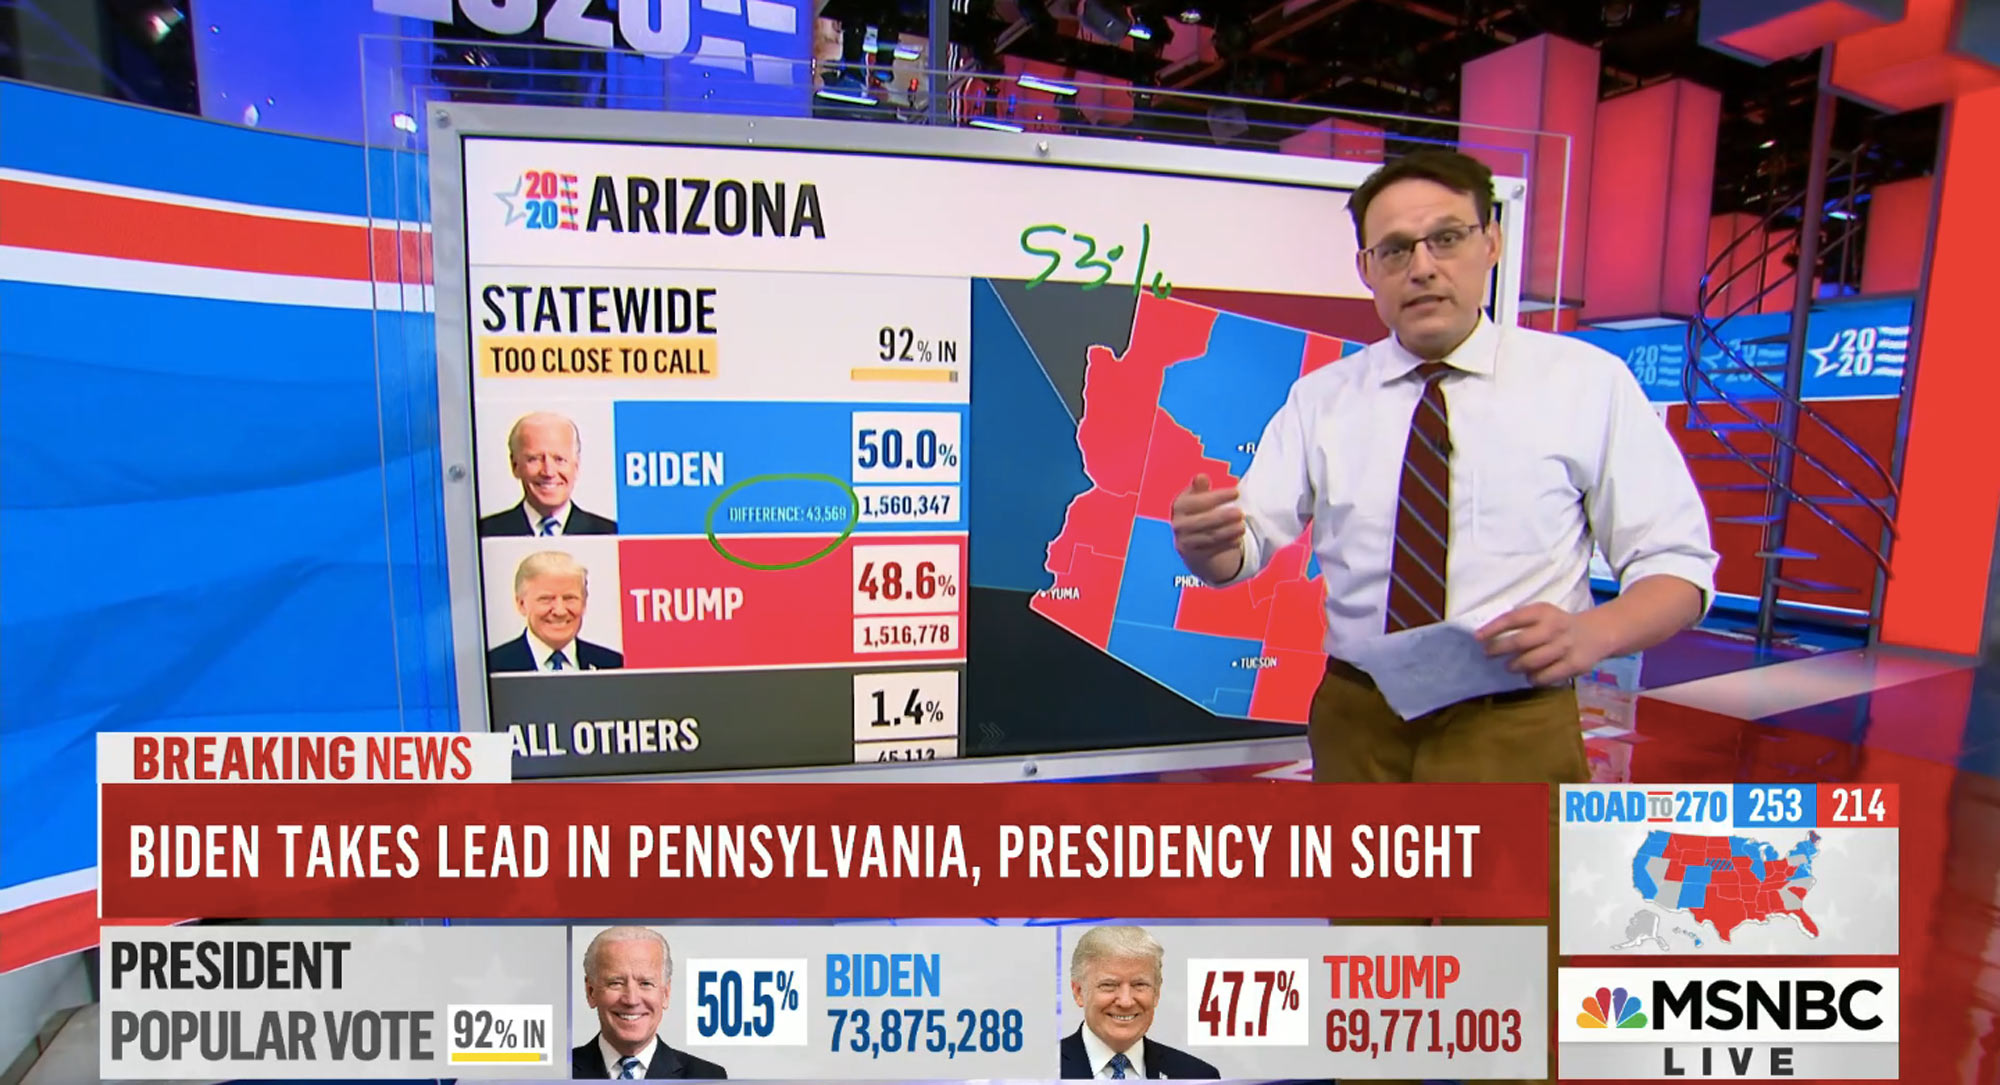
(916, 710)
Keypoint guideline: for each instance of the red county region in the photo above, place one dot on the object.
(1138, 457)
(1734, 894)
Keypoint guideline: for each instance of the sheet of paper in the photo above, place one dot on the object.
(1424, 669)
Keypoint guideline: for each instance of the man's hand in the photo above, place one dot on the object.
(1208, 530)
(1549, 644)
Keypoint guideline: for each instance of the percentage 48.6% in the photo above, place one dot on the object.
(886, 580)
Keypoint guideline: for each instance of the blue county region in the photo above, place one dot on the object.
(1755, 851)
(1226, 396)
(1802, 855)
(1208, 670)
(1694, 886)
(1029, 466)
(676, 461)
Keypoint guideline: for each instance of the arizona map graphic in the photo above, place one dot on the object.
(1191, 394)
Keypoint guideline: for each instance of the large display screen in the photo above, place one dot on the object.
(785, 451)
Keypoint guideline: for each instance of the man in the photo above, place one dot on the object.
(628, 973)
(1457, 466)
(542, 451)
(1115, 975)
(551, 592)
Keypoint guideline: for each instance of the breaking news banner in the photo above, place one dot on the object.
(823, 1003)
(1314, 1002)
(378, 757)
(207, 845)
(204, 1003)
(1765, 869)
(1808, 1023)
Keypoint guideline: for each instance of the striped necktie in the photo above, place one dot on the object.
(628, 1068)
(549, 525)
(1423, 511)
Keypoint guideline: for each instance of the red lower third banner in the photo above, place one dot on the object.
(824, 850)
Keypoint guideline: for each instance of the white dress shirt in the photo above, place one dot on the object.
(543, 653)
(1553, 446)
(1100, 1055)
(611, 1057)
(535, 519)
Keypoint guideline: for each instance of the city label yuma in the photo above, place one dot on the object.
(690, 205)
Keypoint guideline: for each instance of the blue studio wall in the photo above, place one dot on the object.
(193, 484)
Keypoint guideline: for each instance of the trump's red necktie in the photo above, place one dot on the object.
(1423, 511)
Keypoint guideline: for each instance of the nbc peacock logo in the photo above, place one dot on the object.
(1611, 1008)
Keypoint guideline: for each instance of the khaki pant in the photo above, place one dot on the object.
(1526, 736)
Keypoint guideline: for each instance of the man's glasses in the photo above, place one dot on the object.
(1395, 254)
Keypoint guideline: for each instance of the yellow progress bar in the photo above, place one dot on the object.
(893, 373)
(497, 1056)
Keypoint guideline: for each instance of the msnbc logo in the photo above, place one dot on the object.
(1611, 1009)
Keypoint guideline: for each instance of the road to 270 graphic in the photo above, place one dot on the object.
(1770, 869)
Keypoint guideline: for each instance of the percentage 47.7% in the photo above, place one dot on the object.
(1222, 997)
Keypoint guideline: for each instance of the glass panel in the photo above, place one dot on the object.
(1129, 277)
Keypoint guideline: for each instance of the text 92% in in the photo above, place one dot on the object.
(515, 1035)
(904, 345)
(1374, 1031)
(933, 1031)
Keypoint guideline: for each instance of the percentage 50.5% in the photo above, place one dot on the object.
(747, 1004)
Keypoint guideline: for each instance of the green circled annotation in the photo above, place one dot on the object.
(1041, 240)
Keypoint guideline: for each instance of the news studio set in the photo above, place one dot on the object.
(967, 540)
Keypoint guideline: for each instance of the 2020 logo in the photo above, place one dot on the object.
(543, 199)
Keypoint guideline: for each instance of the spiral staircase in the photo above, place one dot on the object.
(1757, 415)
